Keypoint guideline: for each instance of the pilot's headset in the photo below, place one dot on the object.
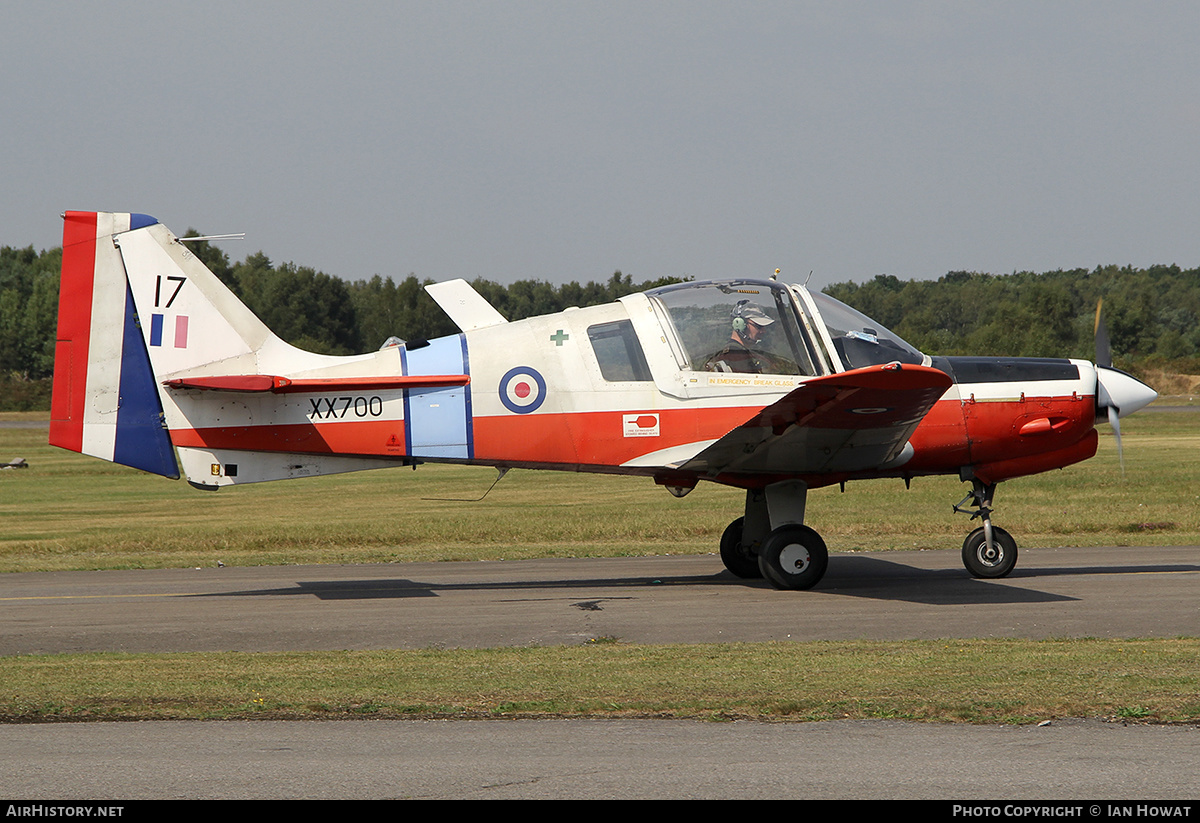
(739, 316)
(744, 312)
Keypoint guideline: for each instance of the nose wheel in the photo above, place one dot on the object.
(989, 561)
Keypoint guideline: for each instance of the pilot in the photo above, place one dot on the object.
(748, 323)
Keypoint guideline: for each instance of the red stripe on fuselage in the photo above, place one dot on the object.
(74, 330)
(1041, 461)
(381, 438)
(596, 438)
(994, 427)
(967, 433)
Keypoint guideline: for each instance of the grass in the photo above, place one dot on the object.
(975, 681)
(72, 512)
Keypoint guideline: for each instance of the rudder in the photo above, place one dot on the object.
(105, 401)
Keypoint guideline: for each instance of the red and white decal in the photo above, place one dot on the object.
(640, 425)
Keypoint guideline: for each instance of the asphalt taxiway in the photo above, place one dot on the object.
(1069, 592)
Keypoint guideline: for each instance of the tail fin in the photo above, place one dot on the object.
(150, 344)
(105, 401)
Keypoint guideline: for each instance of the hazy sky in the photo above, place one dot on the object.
(565, 140)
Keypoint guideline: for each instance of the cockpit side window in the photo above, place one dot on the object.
(618, 352)
(737, 326)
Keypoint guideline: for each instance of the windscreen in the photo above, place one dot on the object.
(859, 340)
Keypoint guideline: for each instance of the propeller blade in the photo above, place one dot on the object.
(1117, 393)
(1103, 347)
(1114, 420)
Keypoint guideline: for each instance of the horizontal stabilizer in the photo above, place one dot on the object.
(286, 385)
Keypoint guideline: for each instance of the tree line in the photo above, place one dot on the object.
(1152, 314)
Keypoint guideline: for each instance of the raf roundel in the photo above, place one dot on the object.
(522, 390)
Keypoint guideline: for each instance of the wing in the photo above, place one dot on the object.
(854, 421)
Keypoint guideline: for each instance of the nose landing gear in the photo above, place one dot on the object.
(989, 551)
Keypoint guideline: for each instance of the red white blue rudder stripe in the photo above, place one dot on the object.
(105, 400)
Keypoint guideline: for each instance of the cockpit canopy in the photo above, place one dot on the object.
(711, 321)
(766, 327)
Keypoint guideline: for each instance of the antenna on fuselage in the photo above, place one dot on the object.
(503, 471)
(238, 236)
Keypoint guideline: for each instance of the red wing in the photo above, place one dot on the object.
(854, 421)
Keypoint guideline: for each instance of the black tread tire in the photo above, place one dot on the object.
(740, 561)
(974, 553)
(793, 557)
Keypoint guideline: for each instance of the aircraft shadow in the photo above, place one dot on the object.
(871, 578)
(880, 579)
(874, 578)
(401, 588)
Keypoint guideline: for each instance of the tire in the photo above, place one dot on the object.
(793, 557)
(975, 554)
(740, 561)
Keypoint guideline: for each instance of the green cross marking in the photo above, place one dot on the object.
(559, 336)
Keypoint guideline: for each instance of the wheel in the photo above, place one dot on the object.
(736, 557)
(981, 563)
(793, 557)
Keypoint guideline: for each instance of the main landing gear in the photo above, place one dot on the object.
(771, 540)
(989, 551)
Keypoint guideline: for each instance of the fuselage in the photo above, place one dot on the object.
(614, 388)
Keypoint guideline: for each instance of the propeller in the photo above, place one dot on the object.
(1103, 347)
(1117, 393)
(1103, 397)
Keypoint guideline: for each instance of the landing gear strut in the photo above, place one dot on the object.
(989, 551)
(771, 540)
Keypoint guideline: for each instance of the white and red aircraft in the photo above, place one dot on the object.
(756, 384)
